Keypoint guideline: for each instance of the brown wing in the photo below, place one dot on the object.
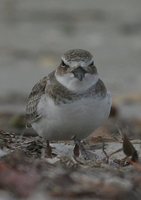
(31, 108)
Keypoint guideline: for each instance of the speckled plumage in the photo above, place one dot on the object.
(77, 55)
(31, 107)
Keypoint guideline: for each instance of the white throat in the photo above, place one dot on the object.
(70, 82)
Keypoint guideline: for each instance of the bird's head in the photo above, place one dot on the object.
(77, 71)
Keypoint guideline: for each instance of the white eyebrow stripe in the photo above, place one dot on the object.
(77, 63)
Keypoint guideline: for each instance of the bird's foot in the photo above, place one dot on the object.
(47, 150)
(76, 150)
(79, 147)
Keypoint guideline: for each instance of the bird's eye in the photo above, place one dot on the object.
(91, 64)
(63, 64)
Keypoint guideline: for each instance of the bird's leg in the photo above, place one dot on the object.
(48, 149)
(79, 147)
(76, 150)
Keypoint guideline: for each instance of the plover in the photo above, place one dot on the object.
(70, 101)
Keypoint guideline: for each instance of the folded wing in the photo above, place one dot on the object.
(31, 108)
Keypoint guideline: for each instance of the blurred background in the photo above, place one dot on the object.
(34, 34)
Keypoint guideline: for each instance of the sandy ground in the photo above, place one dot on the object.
(109, 168)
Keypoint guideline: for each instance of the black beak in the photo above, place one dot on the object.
(79, 73)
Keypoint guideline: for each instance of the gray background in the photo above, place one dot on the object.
(35, 33)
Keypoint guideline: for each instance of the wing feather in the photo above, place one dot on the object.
(31, 108)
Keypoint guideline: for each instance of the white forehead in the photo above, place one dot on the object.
(77, 63)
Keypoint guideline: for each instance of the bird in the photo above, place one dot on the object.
(71, 101)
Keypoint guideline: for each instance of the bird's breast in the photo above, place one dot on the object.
(78, 118)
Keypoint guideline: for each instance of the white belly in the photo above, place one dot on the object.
(80, 118)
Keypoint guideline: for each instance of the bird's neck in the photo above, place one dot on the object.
(75, 85)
